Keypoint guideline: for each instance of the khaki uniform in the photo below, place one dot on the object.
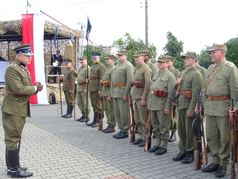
(152, 67)
(202, 70)
(217, 100)
(122, 78)
(68, 85)
(106, 92)
(174, 121)
(15, 107)
(81, 97)
(139, 91)
(96, 73)
(190, 88)
(162, 91)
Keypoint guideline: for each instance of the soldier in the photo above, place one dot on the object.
(122, 78)
(83, 102)
(139, 93)
(68, 86)
(189, 86)
(221, 85)
(95, 89)
(201, 69)
(174, 121)
(162, 90)
(148, 62)
(16, 108)
(56, 61)
(106, 93)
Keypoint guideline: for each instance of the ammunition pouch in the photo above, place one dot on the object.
(187, 93)
(105, 83)
(159, 93)
(138, 84)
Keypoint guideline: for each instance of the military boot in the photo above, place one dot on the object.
(69, 115)
(95, 119)
(172, 137)
(67, 112)
(14, 169)
(100, 117)
(81, 119)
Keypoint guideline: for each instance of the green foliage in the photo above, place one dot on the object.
(132, 46)
(174, 48)
(205, 59)
(88, 52)
(232, 50)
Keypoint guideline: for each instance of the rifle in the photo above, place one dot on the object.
(100, 126)
(198, 130)
(132, 126)
(148, 132)
(233, 127)
(61, 110)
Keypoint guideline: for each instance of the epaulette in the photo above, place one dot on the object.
(230, 64)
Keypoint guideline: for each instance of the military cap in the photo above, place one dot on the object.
(122, 52)
(161, 58)
(169, 58)
(83, 58)
(24, 49)
(218, 47)
(139, 54)
(189, 54)
(146, 53)
(96, 54)
(66, 61)
(110, 57)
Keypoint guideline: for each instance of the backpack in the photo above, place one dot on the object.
(52, 98)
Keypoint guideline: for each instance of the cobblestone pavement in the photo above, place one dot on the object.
(54, 147)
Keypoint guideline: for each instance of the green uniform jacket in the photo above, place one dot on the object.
(122, 74)
(142, 74)
(152, 67)
(69, 79)
(18, 90)
(96, 74)
(192, 80)
(107, 77)
(164, 81)
(82, 75)
(202, 71)
(224, 83)
(175, 72)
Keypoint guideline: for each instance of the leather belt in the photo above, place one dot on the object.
(106, 83)
(119, 85)
(218, 98)
(187, 93)
(159, 93)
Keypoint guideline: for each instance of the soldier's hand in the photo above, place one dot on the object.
(39, 87)
(232, 111)
(100, 94)
(143, 103)
(190, 114)
(179, 80)
(125, 98)
(166, 111)
(109, 98)
(86, 81)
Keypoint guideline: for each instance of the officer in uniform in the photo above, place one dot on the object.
(170, 61)
(95, 88)
(122, 78)
(82, 98)
(16, 108)
(148, 62)
(162, 90)
(139, 94)
(69, 86)
(220, 87)
(189, 86)
(106, 94)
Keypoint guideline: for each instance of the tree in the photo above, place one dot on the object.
(132, 46)
(174, 48)
(232, 50)
(204, 57)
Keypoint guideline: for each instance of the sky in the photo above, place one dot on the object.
(198, 23)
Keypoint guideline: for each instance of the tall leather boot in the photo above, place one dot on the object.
(14, 169)
(69, 115)
(172, 137)
(95, 119)
(67, 112)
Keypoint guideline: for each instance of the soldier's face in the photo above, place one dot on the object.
(216, 55)
(139, 60)
(83, 62)
(24, 59)
(188, 62)
(121, 58)
(162, 65)
(170, 63)
(109, 61)
(96, 59)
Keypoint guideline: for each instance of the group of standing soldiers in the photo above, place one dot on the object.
(165, 94)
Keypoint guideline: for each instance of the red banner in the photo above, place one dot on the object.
(27, 38)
